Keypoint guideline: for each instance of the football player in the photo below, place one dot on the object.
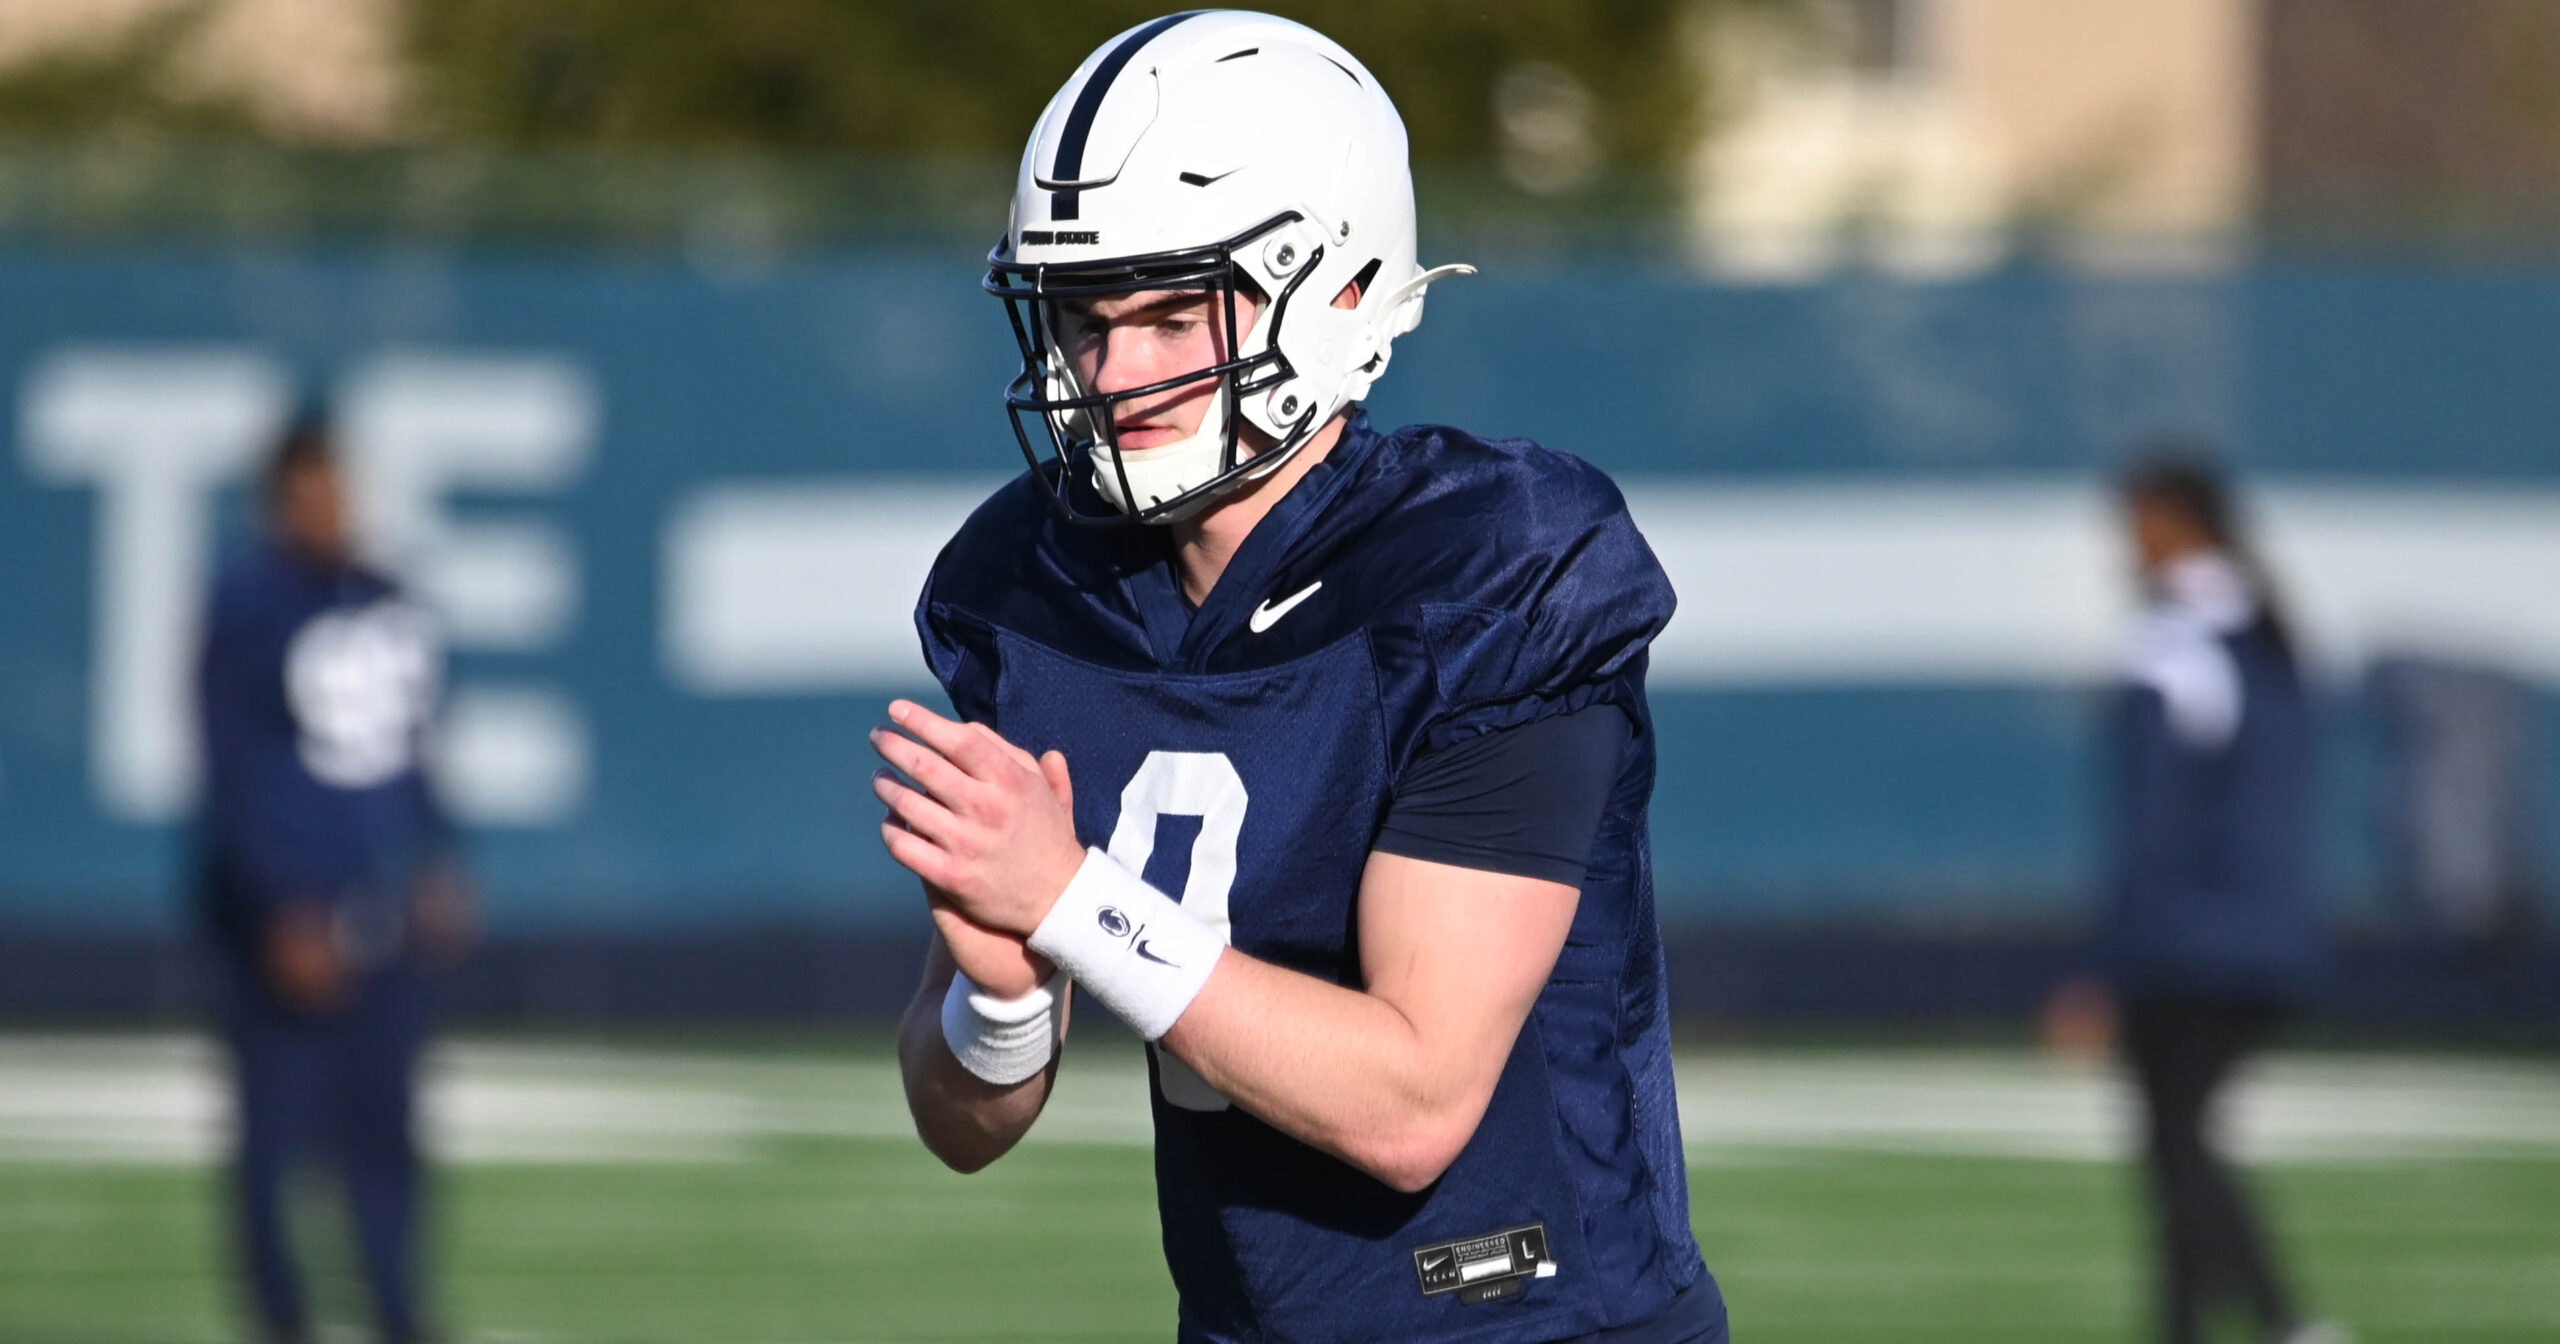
(1318, 754)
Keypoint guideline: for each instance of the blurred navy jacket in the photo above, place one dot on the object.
(2212, 892)
(314, 694)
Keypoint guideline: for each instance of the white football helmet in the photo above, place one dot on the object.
(1203, 151)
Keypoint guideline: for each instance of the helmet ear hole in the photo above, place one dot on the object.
(1368, 275)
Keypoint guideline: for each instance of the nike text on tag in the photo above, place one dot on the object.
(1268, 615)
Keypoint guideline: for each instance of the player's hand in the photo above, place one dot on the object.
(995, 961)
(303, 963)
(977, 817)
(444, 914)
(998, 962)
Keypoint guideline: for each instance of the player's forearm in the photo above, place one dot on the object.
(963, 1119)
(1336, 1068)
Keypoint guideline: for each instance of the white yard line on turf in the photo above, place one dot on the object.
(159, 1100)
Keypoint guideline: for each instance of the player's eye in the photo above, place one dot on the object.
(1076, 331)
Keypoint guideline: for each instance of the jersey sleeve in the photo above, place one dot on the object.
(975, 567)
(227, 705)
(2197, 680)
(1526, 801)
(960, 655)
(256, 801)
(1560, 622)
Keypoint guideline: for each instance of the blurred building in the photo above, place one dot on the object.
(317, 71)
(2422, 116)
(1917, 133)
(1926, 137)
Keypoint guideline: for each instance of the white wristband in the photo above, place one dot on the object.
(1133, 948)
(1003, 1041)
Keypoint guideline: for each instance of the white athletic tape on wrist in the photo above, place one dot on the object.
(1003, 1041)
(1130, 946)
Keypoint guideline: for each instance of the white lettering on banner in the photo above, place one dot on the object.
(809, 587)
(155, 431)
(419, 426)
(805, 587)
(513, 756)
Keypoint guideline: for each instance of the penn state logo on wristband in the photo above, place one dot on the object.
(1118, 925)
(1108, 912)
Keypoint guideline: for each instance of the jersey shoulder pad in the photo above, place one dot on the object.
(1015, 565)
(2192, 669)
(989, 555)
(373, 585)
(1535, 592)
(1544, 496)
(242, 581)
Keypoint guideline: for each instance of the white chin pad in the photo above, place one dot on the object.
(1159, 474)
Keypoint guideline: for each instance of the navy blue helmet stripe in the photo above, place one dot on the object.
(1070, 161)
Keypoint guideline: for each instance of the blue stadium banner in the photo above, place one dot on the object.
(673, 522)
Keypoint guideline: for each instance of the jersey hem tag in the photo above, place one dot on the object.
(1481, 1269)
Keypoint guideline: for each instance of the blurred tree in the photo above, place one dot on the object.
(133, 85)
(914, 76)
(782, 121)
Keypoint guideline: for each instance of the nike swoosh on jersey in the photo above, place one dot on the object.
(1268, 615)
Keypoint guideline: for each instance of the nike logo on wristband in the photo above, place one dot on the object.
(1144, 951)
(1268, 615)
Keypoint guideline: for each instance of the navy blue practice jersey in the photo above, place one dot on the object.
(314, 695)
(1413, 590)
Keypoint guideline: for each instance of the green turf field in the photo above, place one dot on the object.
(617, 1196)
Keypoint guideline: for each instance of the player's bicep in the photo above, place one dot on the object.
(1471, 887)
(1461, 952)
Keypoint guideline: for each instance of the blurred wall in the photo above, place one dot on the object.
(1920, 133)
(675, 519)
(2441, 115)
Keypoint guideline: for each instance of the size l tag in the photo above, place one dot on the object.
(1480, 1269)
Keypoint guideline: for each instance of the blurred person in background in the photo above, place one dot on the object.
(329, 880)
(2211, 929)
